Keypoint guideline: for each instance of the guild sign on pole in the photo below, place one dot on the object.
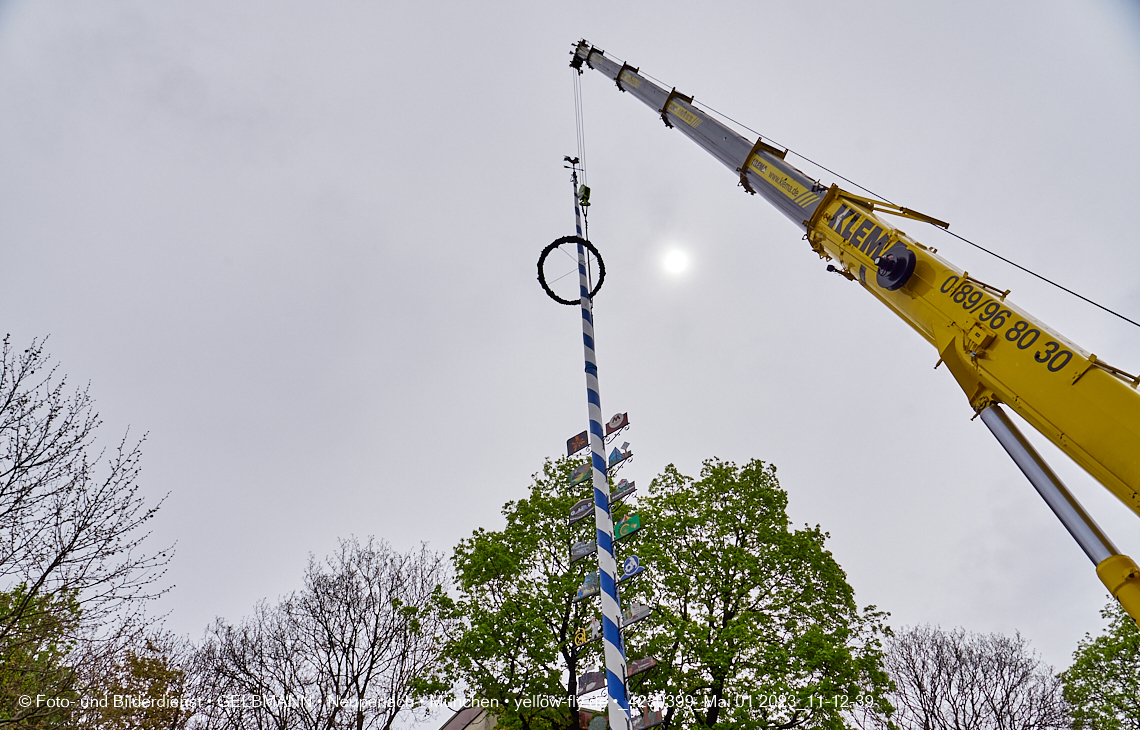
(631, 566)
(622, 490)
(580, 510)
(581, 549)
(628, 526)
(635, 613)
(574, 444)
(593, 632)
(591, 681)
(637, 666)
(617, 423)
(581, 473)
(618, 455)
(648, 718)
(590, 587)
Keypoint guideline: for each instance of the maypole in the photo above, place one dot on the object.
(615, 664)
(619, 714)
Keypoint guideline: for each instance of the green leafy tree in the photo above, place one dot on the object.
(756, 625)
(747, 609)
(142, 688)
(1103, 683)
(35, 679)
(517, 619)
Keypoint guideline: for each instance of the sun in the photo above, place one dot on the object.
(676, 261)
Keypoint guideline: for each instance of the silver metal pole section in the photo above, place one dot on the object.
(1068, 510)
(788, 189)
(619, 713)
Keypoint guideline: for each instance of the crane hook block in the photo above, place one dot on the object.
(895, 267)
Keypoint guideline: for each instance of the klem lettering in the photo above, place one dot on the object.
(860, 231)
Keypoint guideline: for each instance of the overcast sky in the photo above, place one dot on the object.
(294, 244)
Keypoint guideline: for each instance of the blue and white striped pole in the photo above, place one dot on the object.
(619, 714)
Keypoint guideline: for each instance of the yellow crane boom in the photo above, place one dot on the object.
(996, 352)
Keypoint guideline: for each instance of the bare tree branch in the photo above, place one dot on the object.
(953, 680)
(356, 648)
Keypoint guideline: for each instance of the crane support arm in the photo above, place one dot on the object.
(996, 352)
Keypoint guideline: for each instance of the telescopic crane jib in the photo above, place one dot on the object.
(997, 353)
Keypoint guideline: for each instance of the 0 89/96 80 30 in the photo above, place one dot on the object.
(1052, 355)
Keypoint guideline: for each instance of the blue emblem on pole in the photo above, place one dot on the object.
(631, 566)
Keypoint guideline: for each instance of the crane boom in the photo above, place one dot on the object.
(996, 352)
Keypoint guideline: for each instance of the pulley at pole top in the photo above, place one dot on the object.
(581, 240)
(582, 194)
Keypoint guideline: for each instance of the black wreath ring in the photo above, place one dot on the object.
(590, 247)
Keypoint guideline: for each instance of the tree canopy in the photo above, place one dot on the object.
(74, 570)
(1103, 683)
(517, 619)
(755, 624)
(33, 656)
(951, 679)
(358, 647)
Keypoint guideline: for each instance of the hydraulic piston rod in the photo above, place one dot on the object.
(1118, 572)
